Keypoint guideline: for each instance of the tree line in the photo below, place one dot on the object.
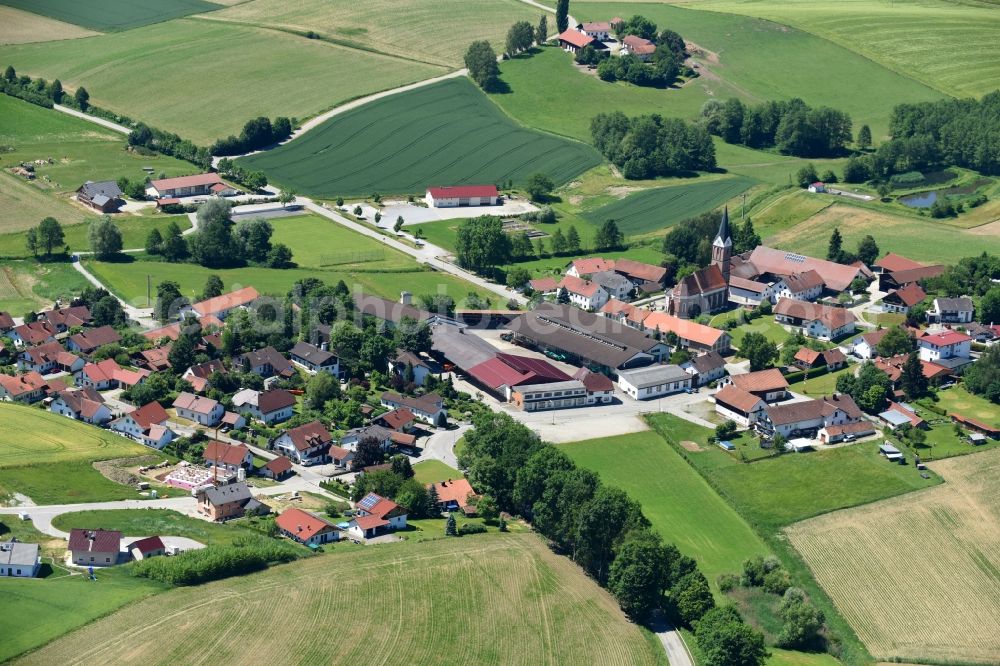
(650, 146)
(257, 133)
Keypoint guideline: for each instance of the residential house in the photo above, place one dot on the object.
(233, 500)
(32, 334)
(981, 333)
(951, 311)
(6, 322)
(276, 469)
(403, 359)
(154, 360)
(227, 457)
(462, 195)
(544, 286)
(893, 366)
(452, 495)
(63, 319)
(94, 548)
(428, 408)
(945, 345)
(146, 425)
(583, 293)
(654, 381)
(641, 48)
(198, 375)
(220, 306)
(306, 444)
(25, 388)
(583, 268)
(340, 457)
(614, 284)
(375, 515)
(398, 419)
(573, 40)
(739, 406)
(85, 405)
(107, 374)
(19, 560)
(104, 195)
(810, 359)
(201, 184)
(203, 411)
(265, 362)
(768, 385)
(349, 440)
(902, 299)
(49, 358)
(840, 432)
(691, 335)
(314, 359)
(896, 271)
(271, 406)
(306, 528)
(707, 368)
(90, 340)
(600, 388)
(602, 31)
(143, 549)
(813, 320)
(646, 277)
(804, 286)
(808, 417)
(865, 346)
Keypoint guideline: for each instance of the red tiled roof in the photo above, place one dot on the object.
(592, 265)
(76, 315)
(273, 400)
(86, 402)
(93, 338)
(945, 338)
(225, 453)
(195, 403)
(457, 491)
(594, 382)
(762, 380)
(456, 191)
(701, 281)
(172, 331)
(35, 333)
(909, 295)
(308, 435)
(185, 181)
(226, 302)
(894, 262)
(835, 276)
(148, 545)
(156, 358)
(808, 356)
(278, 466)
(831, 317)
(94, 541)
(804, 281)
(370, 522)
(18, 385)
(575, 285)
(638, 45)
(576, 38)
(6, 321)
(149, 414)
(734, 396)
(544, 284)
(397, 418)
(684, 328)
(302, 524)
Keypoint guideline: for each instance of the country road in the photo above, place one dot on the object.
(94, 119)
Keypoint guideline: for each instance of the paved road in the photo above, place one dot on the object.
(673, 642)
(94, 119)
(42, 516)
(441, 446)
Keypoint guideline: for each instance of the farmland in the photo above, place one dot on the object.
(21, 27)
(402, 611)
(28, 285)
(134, 231)
(903, 604)
(316, 75)
(436, 32)
(656, 209)
(319, 243)
(676, 500)
(446, 133)
(109, 15)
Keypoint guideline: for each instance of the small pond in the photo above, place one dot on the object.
(927, 199)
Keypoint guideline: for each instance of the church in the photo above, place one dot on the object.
(705, 290)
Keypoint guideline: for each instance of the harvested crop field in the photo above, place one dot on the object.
(504, 599)
(21, 27)
(918, 576)
(656, 209)
(447, 133)
(110, 15)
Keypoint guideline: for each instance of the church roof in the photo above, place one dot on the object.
(724, 237)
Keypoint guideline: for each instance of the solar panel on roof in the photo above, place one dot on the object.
(368, 501)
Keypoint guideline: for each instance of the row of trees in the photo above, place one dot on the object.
(144, 137)
(868, 251)
(39, 91)
(257, 133)
(791, 126)
(252, 180)
(650, 146)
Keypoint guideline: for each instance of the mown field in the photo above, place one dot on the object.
(945, 44)
(164, 522)
(656, 209)
(958, 400)
(133, 227)
(29, 285)
(110, 15)
(20, 27)
(484, 599)
(436, 32)
(146, 73)
(674, 497)
(434, 471)
(916, 576)
(443, 134)
(316, 242)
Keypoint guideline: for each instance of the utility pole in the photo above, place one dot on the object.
(149, 282)
(743, 214)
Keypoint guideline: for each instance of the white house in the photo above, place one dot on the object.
(707, 368)
(428, 408)
(146, 425)
(85, 405)
(462, 195)
(809, 416)
(267, 406)
(805, 286)
(584, 294)
(952, 311)
(306, 445)
(615, 284)
(817, 187)
(654, 381)
(19, 560)
(738, 405)
(749, 292)
(813, 320)
(313, 359)
(599, 30)
(944, 345)
(201, 410)
(376, 515)
(865, 346)
(405, 359)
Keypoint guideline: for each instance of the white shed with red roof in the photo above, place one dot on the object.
(462, 195)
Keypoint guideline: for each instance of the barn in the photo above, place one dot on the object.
(462, 195)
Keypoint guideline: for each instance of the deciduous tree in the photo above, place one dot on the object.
(481, 61)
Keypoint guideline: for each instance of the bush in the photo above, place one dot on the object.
(245, 555)
(727, 582)
(471, 528)
(777, 581)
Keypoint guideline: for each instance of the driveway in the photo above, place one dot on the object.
(42, 516)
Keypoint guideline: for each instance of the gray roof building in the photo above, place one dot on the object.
(18, 554)
(654, 375)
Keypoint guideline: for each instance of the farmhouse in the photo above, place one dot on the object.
(376, 515)
(943, 346)
(462, 195)
(615, 284)
(902, 299)
(203, 411)
(809, 416)
(188, 186)
(104, 196)
(265, 362)
(85, 405)
(145, 548)
(228, 458)
(229, 501)
(19, 559)
(764, 260)
(691, 334)
(896, 271)
(654, 381)
(893, 366)
(574, 40)
(405, 361)
(749, 293)
(26, 389)
(220, 306)
(147, 425)
(49, 357)
(706, 368)
(583, 293)
(307, 528)
(599, 30)
(804, 286)
(816, 321)
(951, 311)
(452, 495)
(94, 548)
(768, 385)
(706, 290)
(313, 359)
(739, 406)
(428, 408)
(306, 444)
(643, 49)
(266, 406)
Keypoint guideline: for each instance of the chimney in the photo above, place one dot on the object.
(405, 297)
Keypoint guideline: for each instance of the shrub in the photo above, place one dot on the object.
(727, 582)
(471, 528)
(245, 555)
(777, 581)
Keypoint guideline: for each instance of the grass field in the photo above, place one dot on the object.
(316, 242)
(766, 326)
(958, 400)
(109, 15)
(434, 471)
(907, 602)
(656, 209)
(134, 231)
(447, 133)
(822, 385)
(517, 602)
(21, 27)
(28, 285)
(436, 32)
(946, 45)
(80, 151)
(676, 500)
(163, 522)
(115, 69)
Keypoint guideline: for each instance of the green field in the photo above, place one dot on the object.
(110, 15)
(444, 134)
(958, 400)
(656, 209)
(21, 27)
(317, 242)
(28, 285)
(436, 32)
(487, 599)
(674, 497)
(162, 522)
(434, 471)
(133, 227)
(80, 151)
(146, 73)
(945, 44)
(823, 385)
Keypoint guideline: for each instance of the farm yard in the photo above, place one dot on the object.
(112, 15)
(316, 75)
(904, 601)
(445, 133)
(20, 27)
(529, 605)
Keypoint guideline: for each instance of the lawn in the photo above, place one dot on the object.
(679, 503)
(656, 209)
(80, 151)
(958, 400)
(447, 133)
(115, 68)
(825, 384)
(30, 285)
(522, 603)
(317, 242)
(947, 45)
(146, 522)
(109, 15)
(437, 32)
(764, 325)
(133, 227)
(905, 605)
(20, 27)
(434, 471)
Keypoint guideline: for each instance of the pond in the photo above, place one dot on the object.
(927, 199)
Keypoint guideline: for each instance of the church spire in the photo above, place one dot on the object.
(724, 237)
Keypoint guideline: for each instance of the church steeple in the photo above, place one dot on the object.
(722, 246)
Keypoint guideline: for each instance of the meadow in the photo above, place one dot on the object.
(517, 602)
(29, 285)
(946, 45)
(958, 400)
(434, 471)
(660, 208)
(908, 573)
(317, 242)
(110, 15)
(133, 227)
(295, 76)
(21, 27)
(678, 502)
(435, 32)
(164, 522)
(447, 133)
